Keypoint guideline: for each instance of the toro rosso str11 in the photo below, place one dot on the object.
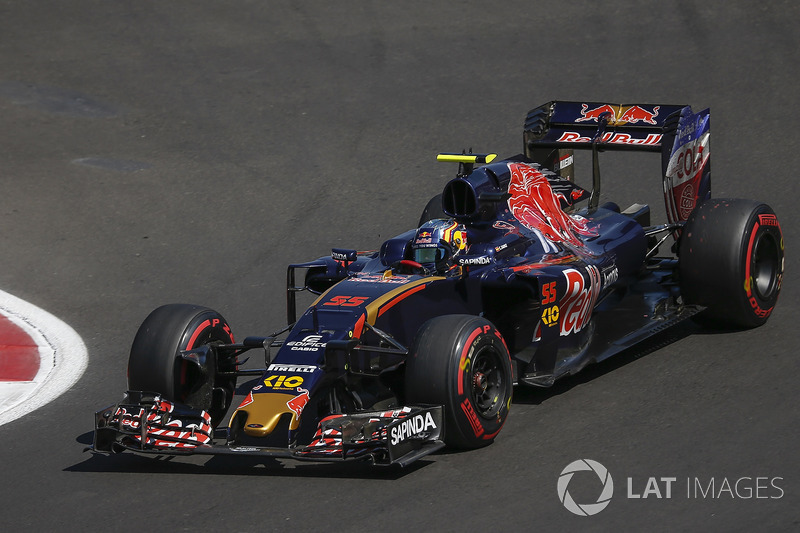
(515, 275)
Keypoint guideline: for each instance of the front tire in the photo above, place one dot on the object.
(462, 363)
(731, 261)
(155, 364)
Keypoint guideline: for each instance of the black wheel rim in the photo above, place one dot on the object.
(765, 266)
(488, 382)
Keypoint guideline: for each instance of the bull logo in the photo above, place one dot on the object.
(534, 203)
(619, 115)
(636, 114)
(595, 114)
(298, 403)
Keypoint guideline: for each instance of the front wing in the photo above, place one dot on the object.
(147, 423)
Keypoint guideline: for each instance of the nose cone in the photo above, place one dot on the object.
(263, 412)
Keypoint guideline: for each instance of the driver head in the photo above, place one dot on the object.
(436, 243)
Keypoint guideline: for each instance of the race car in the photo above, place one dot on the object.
(515, 276)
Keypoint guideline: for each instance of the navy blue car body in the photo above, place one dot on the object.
(392, 360)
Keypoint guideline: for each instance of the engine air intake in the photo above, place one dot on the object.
(458, 199)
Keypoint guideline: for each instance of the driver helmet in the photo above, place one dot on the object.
(437, 242)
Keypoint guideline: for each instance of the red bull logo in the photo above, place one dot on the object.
(635, 114)
(298, 403)
(619, 115)
(652, 139)
(595, 114)
(534, 203)
(578, 303)
(247, 401)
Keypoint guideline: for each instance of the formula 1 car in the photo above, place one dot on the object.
(507, 280)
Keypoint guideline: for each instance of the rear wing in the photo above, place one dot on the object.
(554, 129)
(577, 125)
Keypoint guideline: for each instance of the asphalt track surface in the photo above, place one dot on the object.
(155, 152)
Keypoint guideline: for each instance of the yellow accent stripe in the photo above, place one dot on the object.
(374, 306)
(323, 295)
(447, 236)
(466, 158)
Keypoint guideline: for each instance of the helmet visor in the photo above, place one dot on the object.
(425, 255)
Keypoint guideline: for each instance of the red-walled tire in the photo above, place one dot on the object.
(462, 363)
(731, 260)
(154, 364)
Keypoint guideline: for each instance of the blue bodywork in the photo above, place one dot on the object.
(563, 285)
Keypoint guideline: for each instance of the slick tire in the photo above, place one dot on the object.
(462, 363)
(155, 364)
(432, 210)
(731, 260)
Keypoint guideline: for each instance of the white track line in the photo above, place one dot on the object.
(63, 359)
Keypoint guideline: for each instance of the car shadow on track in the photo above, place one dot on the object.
(238, 466)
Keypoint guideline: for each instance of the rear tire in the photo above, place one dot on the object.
(462, 363)
(731, 260)
(155, 364)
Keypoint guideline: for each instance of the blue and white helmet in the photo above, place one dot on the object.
(437, 242)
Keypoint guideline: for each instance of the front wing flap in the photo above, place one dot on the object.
(398, 436)
(146, 423)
